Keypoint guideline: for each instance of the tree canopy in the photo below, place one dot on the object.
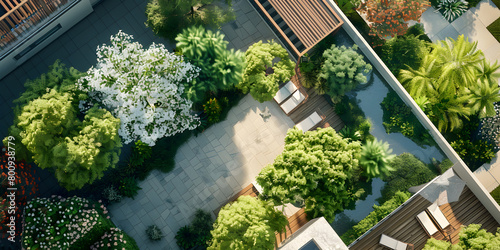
(259, 57)
(457, 82)
(220, 68)
(318, 167)
(341, 71)
(167, 18)
(78, 151)
(143, 88)
(247, 223)
(470, 237)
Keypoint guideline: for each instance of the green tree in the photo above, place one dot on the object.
(259, 57)
(221, 69)
(79, 152)
(470, 237)
(167, 18)
(403, 52)
(318, 167)
(247, 223)
(483, 96)
(341, 71)
(59, 78)
(448, 78)
(375, 159)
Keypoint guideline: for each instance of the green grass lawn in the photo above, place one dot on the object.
(494, 27)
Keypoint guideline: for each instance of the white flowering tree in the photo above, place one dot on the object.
(142, 87)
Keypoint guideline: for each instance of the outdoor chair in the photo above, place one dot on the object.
(310, 122)
(440, 219)
(427, 224)
(293, 102)
(285, 92)
(394, 244)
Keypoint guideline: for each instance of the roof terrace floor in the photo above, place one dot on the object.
(404, 226)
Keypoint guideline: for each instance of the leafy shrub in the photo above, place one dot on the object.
(196, 234)
(409, 172)
(112, 195)
(117, 239)
(375, 159)
(247, 223)
(154, 233)
(341, 72)
(168, 18)
(213, 110)
(140, 152)
(375, 216)
(398, 117)
(470, 237)
(259, 57)
(350, 113)
(220, 68)
(306, 167)
(129, 187)
(58, 223)
(350, 133)
(418, 31)
(452, 9)
(473, 153)
(433, 244)
(401, 52)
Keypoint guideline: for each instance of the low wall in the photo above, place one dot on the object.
(459, 166)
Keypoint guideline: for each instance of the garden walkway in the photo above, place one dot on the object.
(209, 170)
(471, 24)
(214, 166)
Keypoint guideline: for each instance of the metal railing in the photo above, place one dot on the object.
(22, 16)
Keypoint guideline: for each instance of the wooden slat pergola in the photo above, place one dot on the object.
(300, 24)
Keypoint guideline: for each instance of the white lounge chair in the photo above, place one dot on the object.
(309, 122)
(393, 243)
(426, 223)
(438, 216)
(285, 92)
(293, 102)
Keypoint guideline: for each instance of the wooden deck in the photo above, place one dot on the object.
(302, 24)
(249, 190)
(316, 102)
(295, 222)
(403, 225)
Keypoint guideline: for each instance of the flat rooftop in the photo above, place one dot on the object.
(403, 225)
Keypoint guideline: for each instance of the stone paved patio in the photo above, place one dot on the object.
(209, 170)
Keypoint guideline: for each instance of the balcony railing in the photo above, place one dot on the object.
(19, 17)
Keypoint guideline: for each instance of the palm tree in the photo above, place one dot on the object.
(447, 111)
(458, 61)
(375, 159)
(482, 98)
(488, 71)
(421, 81)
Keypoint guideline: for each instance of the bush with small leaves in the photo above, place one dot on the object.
(140, 152)
(129, 187)
(213, 110)
(154, 233)
(342, 70)
(111, 194)
(375, 159)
